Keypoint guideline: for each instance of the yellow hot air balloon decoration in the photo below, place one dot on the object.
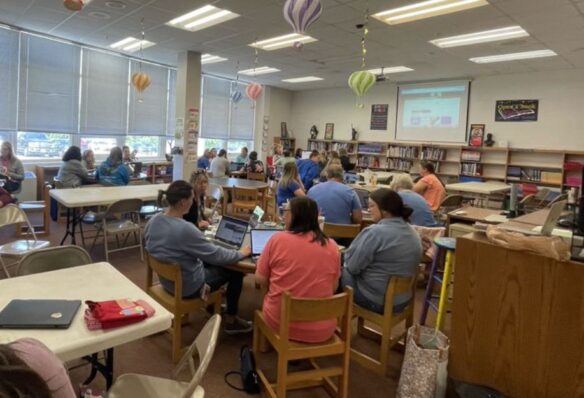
(140, 81)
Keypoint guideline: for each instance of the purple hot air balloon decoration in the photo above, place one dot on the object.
(301, 14)
(236, 96)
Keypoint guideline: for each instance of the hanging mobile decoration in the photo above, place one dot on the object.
(361, 81)
(141, 80)
(235, 93)
(254, 90)
(301, 14)
(73, 5)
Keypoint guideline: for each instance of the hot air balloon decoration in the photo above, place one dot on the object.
(73, 5)
(140, 81)
(236, 96)
(301, 14)
(361, 82)
(253, 91)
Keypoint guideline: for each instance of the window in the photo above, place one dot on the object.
(8, 78)
(146, 146)
(234, 147)
(31, 145)
(148, 108)
(100, 146)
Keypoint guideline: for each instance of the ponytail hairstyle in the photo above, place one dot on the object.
(17, 379)
(177, 191)
(390, 202)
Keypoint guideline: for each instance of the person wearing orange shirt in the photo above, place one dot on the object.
(430, 186)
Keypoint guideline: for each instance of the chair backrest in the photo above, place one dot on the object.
(316, 309)
(341, 230)
(427, 235)
(52, 259)
(12, 214)
(400, 285)
(124, 206)
(256, 176)
(203, 347)
(245, 194)
(170, 271)
(557, 199)
(453, 201)
(542, 193)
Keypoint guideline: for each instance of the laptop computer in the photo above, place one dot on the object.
(547, 227)
(256, 217)
(137, 166)
(259, 240)
(231, 232)
(39, 314)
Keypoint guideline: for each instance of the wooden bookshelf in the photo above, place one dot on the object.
(287, 143)
(544, 167)
(159, 172)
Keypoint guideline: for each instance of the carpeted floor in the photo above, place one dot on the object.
(152, 355)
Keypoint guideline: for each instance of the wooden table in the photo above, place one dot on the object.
(75, 198)
(229, 183)
(517, 321)
(367, 187)
(479, 190)
(96, 282)
(470, 215)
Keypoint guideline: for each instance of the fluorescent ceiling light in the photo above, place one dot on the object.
(259, 71)
(131, 44)
(513, 56)
(511, 32)
(202, 18)
(303, 79)
(288, 40)
(426, 9)
(390, 69)
(211, 59)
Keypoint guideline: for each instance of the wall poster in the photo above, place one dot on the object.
(379, 114)
(516, 110)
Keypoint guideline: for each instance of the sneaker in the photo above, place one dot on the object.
(238, 326)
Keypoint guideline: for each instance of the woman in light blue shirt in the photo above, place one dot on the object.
(391, 247)
(422, 215)
(290, 185)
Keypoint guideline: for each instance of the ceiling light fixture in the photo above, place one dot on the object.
(426, 9)
(211, 59)
(390, 69)
(275, 43)
(202, 18)
(511, 32)
(513, 56)
(259, 71)
(118, 5)
(131, 44)
(303, 79)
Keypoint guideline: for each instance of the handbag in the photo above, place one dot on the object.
(249, 377)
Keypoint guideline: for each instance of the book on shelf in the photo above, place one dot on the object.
(471, 169)
(399, 164)
(409, 152)
(470, 156)
(369, 161)
(372, 148)
(432, 153)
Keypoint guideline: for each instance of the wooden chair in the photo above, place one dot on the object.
(341, 230)
(37, 206)
(256, 176)
(386, 322)
(175, 303)
(271, 204)
(244, 201)
(308, 310)
(449, 203)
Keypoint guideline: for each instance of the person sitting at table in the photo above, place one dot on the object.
(303, 262)
(309, 169)
(390, 247)
(126, 154)
(196, 214)
(323, 160)
(298, 154)
(220, 165)
(422, 215)
(170, 238)
(278, 153)
(113, 172)
(287, 158)
(253, 165)
(28, 368)
(430, 186)
(11, 169)
(88, 159)
(242, 157)
(338, 203)
(345, 160)
(290, 185)
(332, 162)
(72, 173)
(212, 153)
(203, 162)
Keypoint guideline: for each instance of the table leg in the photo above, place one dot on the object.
(67, 228)
(107, 369)
(225, 201)
(73, 225)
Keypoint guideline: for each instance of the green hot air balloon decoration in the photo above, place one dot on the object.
(360, 82)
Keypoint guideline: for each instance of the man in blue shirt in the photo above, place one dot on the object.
(309, 169)
(338, 203)
(203, 162)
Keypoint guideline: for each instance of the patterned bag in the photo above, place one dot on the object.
(424, 373)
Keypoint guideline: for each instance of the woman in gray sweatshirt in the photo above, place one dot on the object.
(72, 172)
(169, 238)
(11, 169)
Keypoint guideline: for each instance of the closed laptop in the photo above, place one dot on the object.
(39, 314)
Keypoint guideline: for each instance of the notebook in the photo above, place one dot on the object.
(39, 314)
(231, 232)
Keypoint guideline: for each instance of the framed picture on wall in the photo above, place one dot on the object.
(477, 132)
(283, 130)
(329, 131)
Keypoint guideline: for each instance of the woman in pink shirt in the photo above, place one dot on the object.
(303, 262)
(430, 186)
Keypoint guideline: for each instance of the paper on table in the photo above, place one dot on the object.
(496, 218)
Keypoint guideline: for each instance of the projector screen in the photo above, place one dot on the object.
(433, 112)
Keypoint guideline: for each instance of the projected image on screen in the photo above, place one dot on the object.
(432, 112)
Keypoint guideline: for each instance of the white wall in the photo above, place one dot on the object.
(277, 105)
(561, 110)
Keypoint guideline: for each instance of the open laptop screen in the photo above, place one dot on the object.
(231, 231)
(260, 238)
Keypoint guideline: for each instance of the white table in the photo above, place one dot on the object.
(96, 282)
(75, 198)
(479, 190)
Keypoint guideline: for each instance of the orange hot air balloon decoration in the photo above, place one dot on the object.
(140, 81)
(73, 5)
(253, 91)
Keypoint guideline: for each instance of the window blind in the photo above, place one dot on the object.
(215, 108)
(148, 108)
(104, 93)
(171, 125)
(242, 116)
(49, 85)
(8, 78)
